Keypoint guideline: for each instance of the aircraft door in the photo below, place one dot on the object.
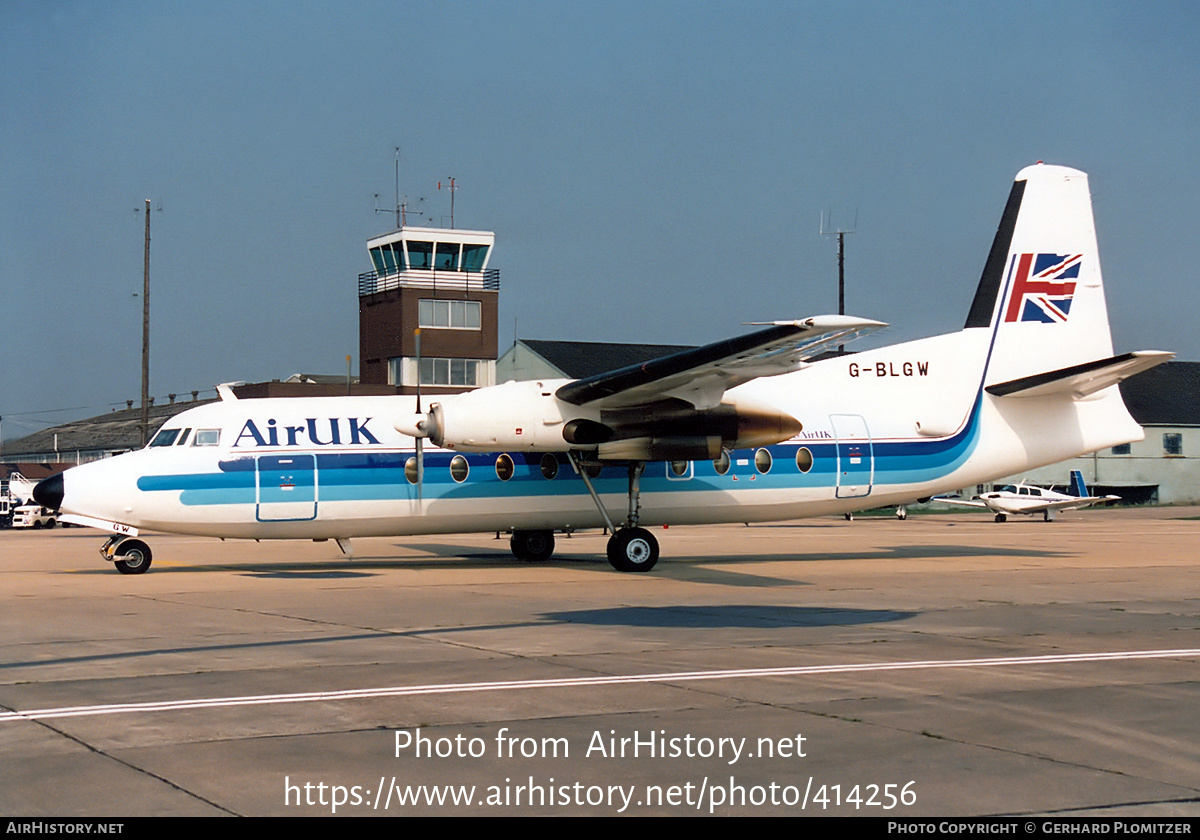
(855, 455)
(287, 488)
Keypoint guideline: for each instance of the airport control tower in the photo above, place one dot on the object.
(436, 279)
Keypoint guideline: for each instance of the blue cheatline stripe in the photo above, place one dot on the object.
(373, 476)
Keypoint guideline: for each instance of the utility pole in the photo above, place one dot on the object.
(841, 237)
(146, 334)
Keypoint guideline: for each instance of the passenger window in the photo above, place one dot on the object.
(804, 459)
(504, 467)
(762, 461)
(721, 464)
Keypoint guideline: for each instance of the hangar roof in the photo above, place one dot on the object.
(1168, 395)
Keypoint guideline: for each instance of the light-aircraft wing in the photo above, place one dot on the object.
(954, 500)
(1071, 504)
(702, 375)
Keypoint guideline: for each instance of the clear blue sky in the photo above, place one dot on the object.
(654, 171)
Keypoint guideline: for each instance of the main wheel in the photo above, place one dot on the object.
(632, 550)
(532, 546)
(1000, 517)
(134, 557)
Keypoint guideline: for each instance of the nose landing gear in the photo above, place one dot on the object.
(129, 555)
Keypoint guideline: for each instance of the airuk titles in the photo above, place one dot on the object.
(881, 370)
(331, 431)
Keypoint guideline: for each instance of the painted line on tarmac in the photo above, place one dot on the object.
(575, 682)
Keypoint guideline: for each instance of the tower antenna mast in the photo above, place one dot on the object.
(399, 212)
(453, 189)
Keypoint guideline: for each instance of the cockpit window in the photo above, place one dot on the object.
(207, 437)
(183, 438)
(165, 437)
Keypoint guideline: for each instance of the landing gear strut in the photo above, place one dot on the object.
(630, 548)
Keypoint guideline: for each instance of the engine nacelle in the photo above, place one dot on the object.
(528, 417)
(513, 417)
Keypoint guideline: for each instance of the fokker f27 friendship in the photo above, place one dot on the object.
(750, 429)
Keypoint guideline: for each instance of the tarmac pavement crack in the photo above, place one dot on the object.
(135, 768)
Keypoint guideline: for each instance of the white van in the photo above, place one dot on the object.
(33, 516)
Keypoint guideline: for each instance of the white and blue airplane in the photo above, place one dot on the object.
(751, 429)
(1028, 500)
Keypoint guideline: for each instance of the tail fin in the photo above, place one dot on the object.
(1041, 291)
(1040, 312)
(1078, 488)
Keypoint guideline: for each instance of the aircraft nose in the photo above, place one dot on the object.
(49, 492)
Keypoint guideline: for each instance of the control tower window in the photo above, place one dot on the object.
(473, 257)
(445, 257)
(386, 260)
(420, 254)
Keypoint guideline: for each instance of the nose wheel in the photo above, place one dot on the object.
(130, 556)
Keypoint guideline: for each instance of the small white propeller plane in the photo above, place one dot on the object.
(750, 429)
(1028, 500)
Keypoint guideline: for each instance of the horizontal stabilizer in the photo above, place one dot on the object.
(1081, 380)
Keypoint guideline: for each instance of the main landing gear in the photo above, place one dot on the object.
(130, 556)
(532, 546)
(630, 548)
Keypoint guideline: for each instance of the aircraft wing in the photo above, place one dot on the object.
(947, 500)
(1070, 504)
(702, 375)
